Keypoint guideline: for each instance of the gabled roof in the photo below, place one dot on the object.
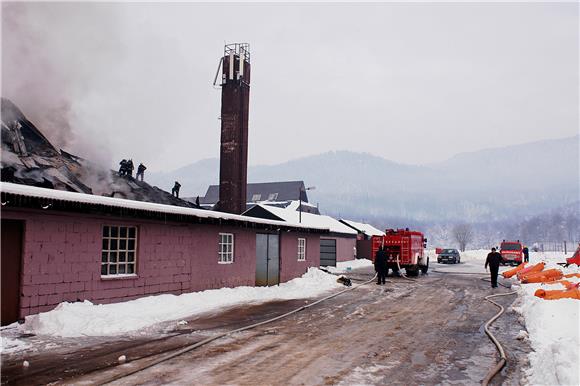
(367, 229)
(292, 216)
(263, 191)
(24, 196)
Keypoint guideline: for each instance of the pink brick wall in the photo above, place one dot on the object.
(290, 267)
(62, 257)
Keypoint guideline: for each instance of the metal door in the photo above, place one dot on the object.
(11, 257)
(267, 259)
(328, 252)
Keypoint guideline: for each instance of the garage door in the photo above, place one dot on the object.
(267, 260)
(328, 252)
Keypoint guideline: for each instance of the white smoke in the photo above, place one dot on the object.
(54, 58)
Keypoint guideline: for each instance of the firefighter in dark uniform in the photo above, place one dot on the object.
(493, 260)
(140, 171)
(175, 190)
(381, 265)
(123, 167)
(526, 255)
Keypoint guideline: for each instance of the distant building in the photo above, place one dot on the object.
(338, 245)
(363, 240)
(64, 246)
(275, 193)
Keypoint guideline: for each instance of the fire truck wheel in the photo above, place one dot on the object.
(412, 271)
(425, 268)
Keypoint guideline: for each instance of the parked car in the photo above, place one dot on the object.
(449, 256)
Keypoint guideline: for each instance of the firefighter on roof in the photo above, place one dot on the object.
(140, 171)
(175, 190)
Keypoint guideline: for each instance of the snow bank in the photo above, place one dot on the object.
(88, 319)
(554, 328)
(8, 345)
(345, 266)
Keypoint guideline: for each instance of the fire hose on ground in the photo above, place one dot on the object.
(502, 356)
(222, 335)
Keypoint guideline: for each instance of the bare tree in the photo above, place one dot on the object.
(463, 234)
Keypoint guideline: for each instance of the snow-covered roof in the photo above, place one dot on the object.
(33, 191)
(292, 216)
(365, 228)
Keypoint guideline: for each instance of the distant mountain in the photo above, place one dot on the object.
(498, 183)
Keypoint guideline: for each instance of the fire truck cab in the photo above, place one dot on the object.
(405, 249)
(511, 252)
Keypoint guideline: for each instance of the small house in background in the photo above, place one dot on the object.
(338, 245)
(65, 246)
(363, 239)
(279, 194)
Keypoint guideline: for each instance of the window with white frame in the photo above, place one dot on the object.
(272, 196)
(256, 197)
(301, 249)
(226, 248)
(118, 254)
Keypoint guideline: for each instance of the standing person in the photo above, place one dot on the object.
(175, 190)
(123, 167)
(381, 265)
(140, 171)
(493, 260)
(130, 168)
(526, 254)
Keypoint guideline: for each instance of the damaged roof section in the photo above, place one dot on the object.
(28, 158)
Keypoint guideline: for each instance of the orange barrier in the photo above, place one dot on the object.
(534, 268)
(558, 294)
(565, 283)
(544, 276)
(513, 271)
(572, 275)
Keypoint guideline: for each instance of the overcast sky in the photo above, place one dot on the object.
(414, 83)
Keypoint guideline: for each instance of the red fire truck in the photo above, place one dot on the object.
(512, 252)
(405, 249)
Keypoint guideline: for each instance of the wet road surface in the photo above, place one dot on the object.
(423, 332)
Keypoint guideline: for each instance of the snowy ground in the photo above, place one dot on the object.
(137, 316)
(553, 326)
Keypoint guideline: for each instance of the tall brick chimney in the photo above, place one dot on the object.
(234, 128)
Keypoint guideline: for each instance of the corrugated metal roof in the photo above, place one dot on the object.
(48, 197)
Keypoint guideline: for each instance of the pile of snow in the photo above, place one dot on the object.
(553, 328)
(346, 266)
(88, 319)
(8, 345)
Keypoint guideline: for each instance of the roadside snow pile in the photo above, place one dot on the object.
(88, 319)
(8, 345)
(345, 266)
(554, 328)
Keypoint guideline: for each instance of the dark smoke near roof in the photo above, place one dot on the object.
(29, 158)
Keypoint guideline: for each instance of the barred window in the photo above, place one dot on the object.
(301, 249)
(226, 248)
(118, 254)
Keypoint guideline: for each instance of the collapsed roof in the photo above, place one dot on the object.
(28, 158)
